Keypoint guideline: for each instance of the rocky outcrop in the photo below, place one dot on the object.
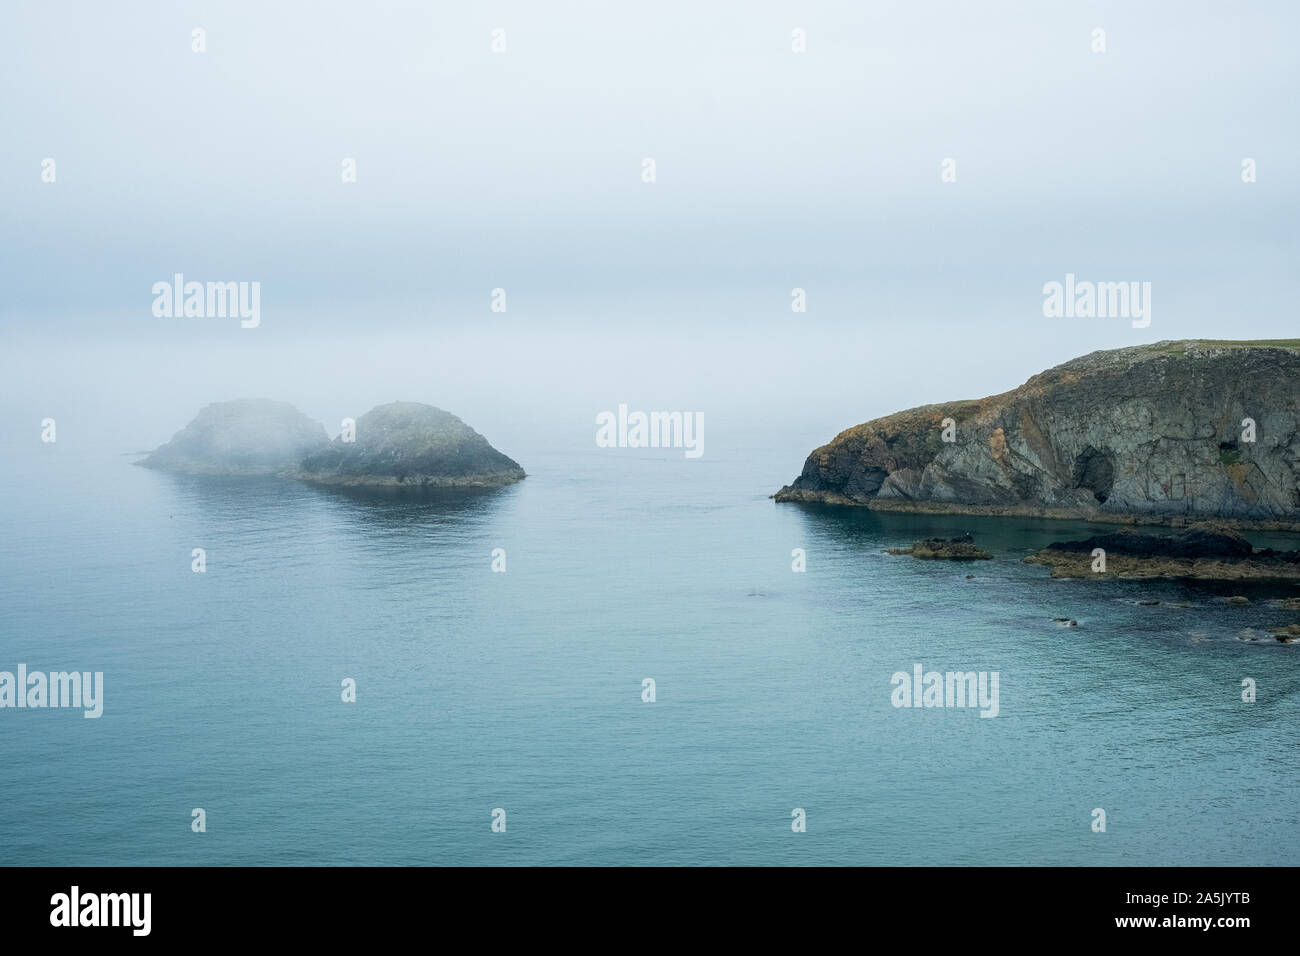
(1198, 541)
(1150, 433)
(244, 437)
(1286, 633)
(962, 548)
(1203, 552)
(410, 445)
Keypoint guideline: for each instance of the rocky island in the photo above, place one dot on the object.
(405, 444)
(1169, 433)
(246, 437)
(960, 548)
(410, 445)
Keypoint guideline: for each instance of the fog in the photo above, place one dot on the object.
(522, 170)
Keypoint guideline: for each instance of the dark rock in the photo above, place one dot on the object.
(1207, 552)
(1198, 541)
(1288, 634)
(961, 548)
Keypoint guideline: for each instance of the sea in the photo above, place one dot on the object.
(613, 662)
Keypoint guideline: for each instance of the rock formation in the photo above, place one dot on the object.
(1202, 551)
(1171, 432)
(961, 548)
(410, 445)
(244, 437)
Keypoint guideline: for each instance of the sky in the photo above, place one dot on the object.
(522, 169)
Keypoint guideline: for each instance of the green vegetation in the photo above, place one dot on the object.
(1180, 347)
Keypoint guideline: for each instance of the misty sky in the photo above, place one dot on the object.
(522, 170)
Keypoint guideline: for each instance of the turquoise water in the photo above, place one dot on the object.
(522, 690)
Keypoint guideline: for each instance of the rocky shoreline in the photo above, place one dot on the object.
(1202, 552)
(798, 496)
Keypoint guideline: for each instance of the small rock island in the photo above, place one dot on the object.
(402, 445)
(246, 437)
(960, 548)
(410, 445)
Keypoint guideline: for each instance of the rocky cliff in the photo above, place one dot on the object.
(408, 444)
(245, 437)
(1149, 433)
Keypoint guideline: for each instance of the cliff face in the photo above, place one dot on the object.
(244, 437)
(1152, 432)
(408, 444)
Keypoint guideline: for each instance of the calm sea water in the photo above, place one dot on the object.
(522, 690)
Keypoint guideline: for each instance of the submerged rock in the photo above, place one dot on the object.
(244, 437)
(410, 445)
(1289, 634)
(1152, 433)
(961, 548)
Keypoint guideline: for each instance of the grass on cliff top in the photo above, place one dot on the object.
(1182, 345)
